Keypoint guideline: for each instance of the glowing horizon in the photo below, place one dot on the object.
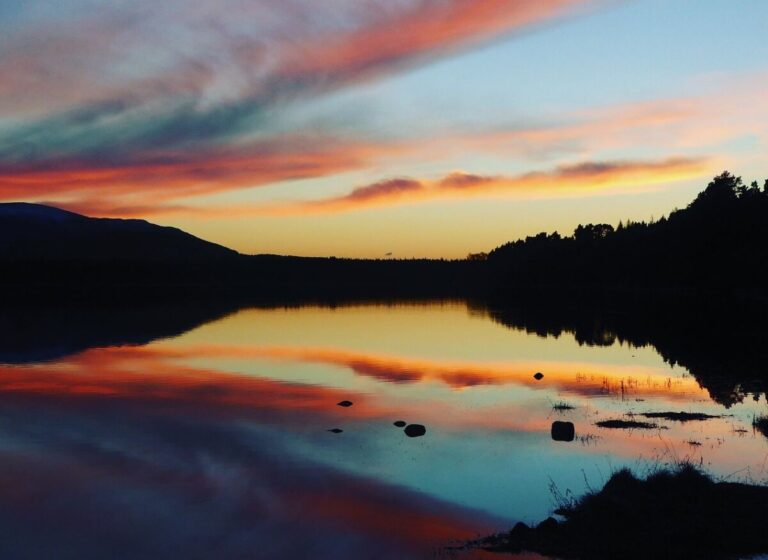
(361, 128)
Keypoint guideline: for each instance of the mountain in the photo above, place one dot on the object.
(46, 253)
(35, 232)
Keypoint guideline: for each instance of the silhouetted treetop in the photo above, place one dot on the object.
(723, 189)
(590, 232)
(718, 242)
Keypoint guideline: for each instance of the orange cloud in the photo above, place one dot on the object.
(171, 129)
(120, 188)
(580, 178)
(212, 101)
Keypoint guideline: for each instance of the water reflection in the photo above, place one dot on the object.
(216, 442)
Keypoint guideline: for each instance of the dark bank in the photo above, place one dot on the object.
(672, 514)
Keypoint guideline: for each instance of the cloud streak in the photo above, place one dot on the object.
(235, 49)
(198, 115)
(134, 109)
(581, 178)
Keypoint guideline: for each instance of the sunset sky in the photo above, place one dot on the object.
(363, 127)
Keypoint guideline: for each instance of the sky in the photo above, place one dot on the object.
(360, 128)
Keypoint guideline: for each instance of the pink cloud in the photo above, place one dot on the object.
(564, 180)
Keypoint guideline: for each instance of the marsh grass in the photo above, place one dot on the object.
(679, 416)
(562, 406)
(630, 424)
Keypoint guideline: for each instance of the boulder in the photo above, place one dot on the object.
(415, 430)
(563, 431)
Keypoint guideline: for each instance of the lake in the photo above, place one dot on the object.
(172, 435)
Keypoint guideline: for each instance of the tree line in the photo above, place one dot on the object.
(718, 243)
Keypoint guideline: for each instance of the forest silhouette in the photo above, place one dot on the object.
(715, 245)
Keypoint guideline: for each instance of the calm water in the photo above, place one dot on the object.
(215, 443)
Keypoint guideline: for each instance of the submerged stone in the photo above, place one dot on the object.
(415, 430)
(563, 431)
(520, 531)
(550, 524)
(400, 424)
(336, 431)
(345, 404)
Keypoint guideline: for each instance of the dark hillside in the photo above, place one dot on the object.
(34, 232)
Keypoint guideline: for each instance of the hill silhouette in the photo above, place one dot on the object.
(38, 232)
(46, 252)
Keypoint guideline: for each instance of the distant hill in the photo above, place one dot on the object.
(48, 252)
(35, 232)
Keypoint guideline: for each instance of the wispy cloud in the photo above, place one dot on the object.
(165, 95)
(579, 178)
(132, 109)
(227, 49)
(171, 174)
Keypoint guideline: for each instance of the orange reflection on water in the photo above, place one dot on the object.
(143, 373)
(155, 373)
(575, 377)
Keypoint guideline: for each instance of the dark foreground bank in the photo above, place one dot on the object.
(671, 515)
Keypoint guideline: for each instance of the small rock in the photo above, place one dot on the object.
(520, 531)
(400, 424)
(563, 431)
(538, 376)
(336, 431)
(345, 404)
(415, 430)
(548, 525)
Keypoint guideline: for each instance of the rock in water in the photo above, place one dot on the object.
(538, 376)
(400, 424)
(521, 531)
(563, 431)
(415, 430)
(336, 431)
(549, 525)
(345, 404)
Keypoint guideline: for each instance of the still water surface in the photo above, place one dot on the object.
(216, 443)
